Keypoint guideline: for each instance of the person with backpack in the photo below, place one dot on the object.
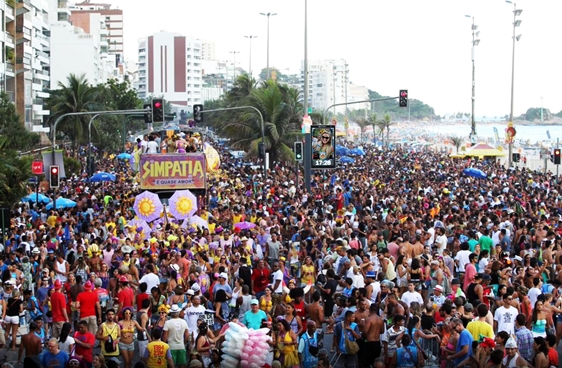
(31, 305)
(309, 345)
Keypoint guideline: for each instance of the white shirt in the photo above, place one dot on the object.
(462, 259)
(176, 328)
(151, 281)
(533, 294)
(409, 297)
(192, 314)
(505, 317)
(152, 147)
(278, 275)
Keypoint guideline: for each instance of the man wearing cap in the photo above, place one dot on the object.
(87, 302)
(222, 285)
(194, 312)
(58, 307)
(307, 344)
(254, 317)
(480, 327)
(176, 334)
(260, 279)
(512, 357)
(125, 296)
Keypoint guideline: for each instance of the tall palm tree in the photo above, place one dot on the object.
(363, 124)
(373, 121)
(281, 110)
(457, 142)
(77, 95)
(385, 124)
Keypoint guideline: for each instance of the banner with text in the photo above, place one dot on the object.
(172, 171)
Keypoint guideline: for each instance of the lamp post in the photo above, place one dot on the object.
(268, 15)
(516, 23)
(250, 64)
(475, 43)
(307, 135)
(234, 67)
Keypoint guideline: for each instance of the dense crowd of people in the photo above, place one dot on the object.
(401, 258)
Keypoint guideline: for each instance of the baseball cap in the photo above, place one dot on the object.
(58, 284)
(254, 302)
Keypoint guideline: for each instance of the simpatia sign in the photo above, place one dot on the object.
(172, 171)
(37, 167)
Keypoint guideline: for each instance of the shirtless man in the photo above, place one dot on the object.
(361, 315)
(316, 314)
(372, 330)
(31, 343)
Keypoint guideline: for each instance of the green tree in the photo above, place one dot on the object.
(10, 126)
(457, 141)
(281, 109)
(77, 95)
(385, 124)
(14, 173)
(115, 95)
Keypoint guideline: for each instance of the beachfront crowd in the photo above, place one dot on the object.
(400, 257)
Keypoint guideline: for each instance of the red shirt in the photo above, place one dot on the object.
(87, 300)
(87, 338)
(125, 298)
(140, 298)
(58, 303)
(261, 279)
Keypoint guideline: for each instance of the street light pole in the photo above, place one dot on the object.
(516, 23)
(250, 64)
(475, 43)
(307, 134)
(268, 15)
(234, 78)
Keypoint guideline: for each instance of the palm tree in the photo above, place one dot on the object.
(363, 124)
(373, 121)
(385, 124)
(457, 142)
(281, 110)
(14, 173)
(76, 96)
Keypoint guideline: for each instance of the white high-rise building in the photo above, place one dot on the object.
(328, 82)
(101, 65)
(170, 66)
(207, 50)
(26, 69)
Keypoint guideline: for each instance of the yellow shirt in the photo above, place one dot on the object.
(479, 329)
(158, 353)
(236, 219)
(52, 221)
(114, 333)
(307, 274)
(212, 228)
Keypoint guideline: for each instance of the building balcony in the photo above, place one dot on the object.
(10, 14)
(10, 69)
(39, 110)
(23, 6)
(43, 57)
(42, 94)
(42, 75)
(10, 40)
(38, 101)
(37, 84)
(23, 34)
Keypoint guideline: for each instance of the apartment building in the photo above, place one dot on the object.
(328, 82)
(169, 65)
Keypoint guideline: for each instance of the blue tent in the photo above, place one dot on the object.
(347, 160)
(34, 197)
(124, 156)
(341, 151)
(62, 203)
(102, 176)
(476, 173)
(357, 152)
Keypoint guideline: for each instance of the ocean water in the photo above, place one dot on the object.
(525, 133)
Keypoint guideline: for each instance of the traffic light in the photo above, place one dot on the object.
(515, 157)
(403, 98)
(148, 113)
(157, 110)
(298, 151)
(54, 176)
(557, 156)
(261, 150)
(198, 113)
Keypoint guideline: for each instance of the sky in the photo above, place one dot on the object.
(420, 45)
